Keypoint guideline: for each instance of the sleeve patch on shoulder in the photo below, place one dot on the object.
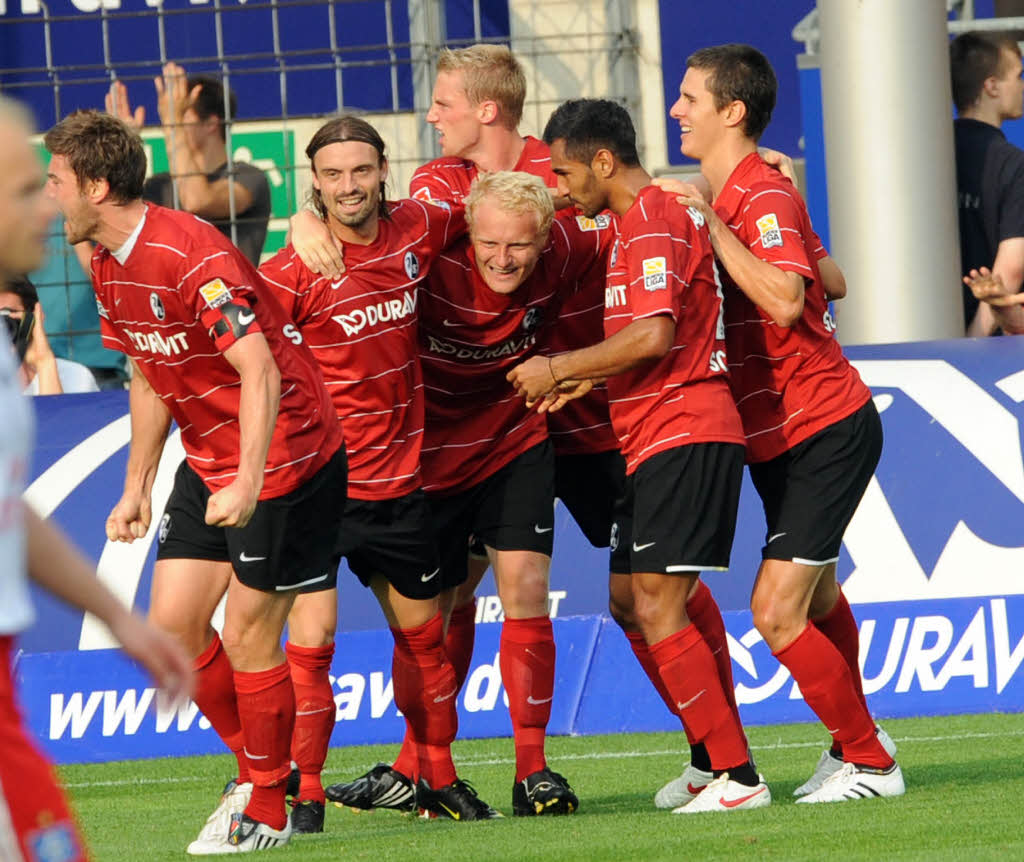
(423, 194)
(655, 273)
(599, 222)
(215, 292)
(768, 226)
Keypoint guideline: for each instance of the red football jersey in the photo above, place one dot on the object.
(362, 330)
(663, 264)
(160, 302)
(582, 426)
(789, 382)
(471, 337)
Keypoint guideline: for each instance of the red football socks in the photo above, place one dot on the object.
(215, 697)
(528, 672)
(425, 691)
(827, 685)
(704, 613)
(690, 675)
(643, 655)
(314, 715)
(458, 643)
(840, 627)
(266, 705)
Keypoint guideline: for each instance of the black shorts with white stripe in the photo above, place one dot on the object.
(288, 545)
(678, 513)
(811, 492)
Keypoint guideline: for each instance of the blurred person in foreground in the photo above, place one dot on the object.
(31, 548)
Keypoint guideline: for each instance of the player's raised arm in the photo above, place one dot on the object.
(130, 518)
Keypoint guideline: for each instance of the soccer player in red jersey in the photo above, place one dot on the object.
(813, 434)
(257, 501)
(488, 465)
(362, 330)
(664, 357)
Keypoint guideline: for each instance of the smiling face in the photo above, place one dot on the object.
(700, 122)
(348, 176)
(577, 181)
(507, 245)
(25, 213)
(453, 116)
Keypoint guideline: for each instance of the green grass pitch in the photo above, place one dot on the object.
(964, 776)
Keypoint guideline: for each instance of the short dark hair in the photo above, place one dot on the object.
(739, 73)
(339, 131)
(22, 288)
(101, 147)
(973, 58)
(589, 125)
(212, 99)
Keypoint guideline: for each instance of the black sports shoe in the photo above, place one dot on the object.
(543, 792)
(455, 801)
(381, 787)
(307, 816)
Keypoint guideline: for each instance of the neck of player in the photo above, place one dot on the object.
(719, 163)
(624, 187)
(117, 223)
(499, 149)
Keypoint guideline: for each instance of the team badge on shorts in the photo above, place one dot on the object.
(771, 234)
(165, 527)
(613, 539)
(215, 292)
(157, 306)
(655, 273)
(532, 319)
(412, 265)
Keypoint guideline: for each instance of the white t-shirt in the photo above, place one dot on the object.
(16, 429)
(74, 377)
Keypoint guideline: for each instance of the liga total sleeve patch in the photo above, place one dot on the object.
(655, 273)
(768, 227)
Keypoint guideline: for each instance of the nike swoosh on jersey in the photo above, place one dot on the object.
(638, 548)
(774, 537)
(245, 558)
(537, 528)
(425, 577)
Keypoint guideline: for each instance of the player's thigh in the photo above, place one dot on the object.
(184, 595)
(400, 611)
(588, 486)
(253, 622)
(811, 492)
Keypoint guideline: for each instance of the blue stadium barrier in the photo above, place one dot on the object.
(932, 563)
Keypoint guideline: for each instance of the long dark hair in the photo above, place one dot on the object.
(339, 131)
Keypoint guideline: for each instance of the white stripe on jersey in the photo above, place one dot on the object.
(757, 392)
(182, 400)
(739, 362)
(373, 377)
(640, 454)
(199, 265)
(388, 479)
(168, 247)
(140, 284)
(388, 411)
(150, 361)
(579, 430)
(788, 419)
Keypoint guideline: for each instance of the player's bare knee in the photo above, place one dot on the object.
(776, 622)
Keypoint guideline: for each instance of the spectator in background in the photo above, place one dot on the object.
(41, 372)
(987, 90)
(73, 324)
(195, 112)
